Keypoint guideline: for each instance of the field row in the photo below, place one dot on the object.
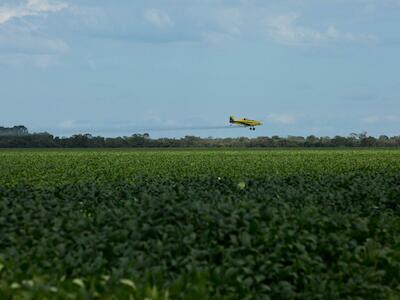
(55, 167)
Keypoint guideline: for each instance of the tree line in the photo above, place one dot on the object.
(19, 137)
(14, 131)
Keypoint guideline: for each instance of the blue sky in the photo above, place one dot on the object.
(181, 67)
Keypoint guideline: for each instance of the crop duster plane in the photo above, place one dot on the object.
(245, 123)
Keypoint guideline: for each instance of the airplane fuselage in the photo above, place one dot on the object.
(245, 122)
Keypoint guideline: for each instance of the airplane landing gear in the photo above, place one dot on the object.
(252, 128)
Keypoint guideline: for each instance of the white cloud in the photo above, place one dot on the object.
(30, 8)
(230, 20)
(282, 119)
(285, 29)
(375, 119)
(22, 60)
(21, 46)
(21, 43)
(158, 18)
(44, 5)
(67, 124)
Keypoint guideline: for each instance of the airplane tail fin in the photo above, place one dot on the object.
(231, 119)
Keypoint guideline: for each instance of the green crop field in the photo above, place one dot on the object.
(199, 224)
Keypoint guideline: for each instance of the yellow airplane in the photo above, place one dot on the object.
(245, 122)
